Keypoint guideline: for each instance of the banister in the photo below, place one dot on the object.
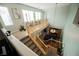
(39, 43)
(32, 32)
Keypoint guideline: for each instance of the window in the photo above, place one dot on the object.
(25, 15)
(5, 16)
(37, 16)
(28, 15)
(31, 15)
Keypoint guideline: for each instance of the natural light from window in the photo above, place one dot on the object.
(28, 15)
(37, 16)
(31, 15)
(25, 15)
(4, 13)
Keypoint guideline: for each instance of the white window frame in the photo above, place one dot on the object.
(27, 15)
(6, 18)
(37, 16)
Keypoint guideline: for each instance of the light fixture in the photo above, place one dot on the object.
(52, 30)
(55, 15)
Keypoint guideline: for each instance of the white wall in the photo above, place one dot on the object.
(16, 22)
(60, 18)
(71, 34)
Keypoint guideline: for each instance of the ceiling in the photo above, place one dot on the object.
(46, 5)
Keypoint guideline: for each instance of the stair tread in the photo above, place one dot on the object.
(39, 52)
(24, 40)
(32, 46)
(36, 49)
(27, 40)
(28, 43)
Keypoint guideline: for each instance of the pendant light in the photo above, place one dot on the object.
(53, 30)
(55, 14)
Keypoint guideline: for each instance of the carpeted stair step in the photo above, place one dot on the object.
(29, 43)
(36, 49)
(32, 46)
(25, 39)
(39, 52)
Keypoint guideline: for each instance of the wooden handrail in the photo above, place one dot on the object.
(39, 44)
(32, 29)
(43, 48)
(32, 32)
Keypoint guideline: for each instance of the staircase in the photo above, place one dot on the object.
(29, 43)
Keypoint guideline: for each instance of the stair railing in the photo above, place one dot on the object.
(32, 32)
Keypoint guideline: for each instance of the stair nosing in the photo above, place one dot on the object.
(27, 41)
(36, 51)
(32, 47)
(24, 38)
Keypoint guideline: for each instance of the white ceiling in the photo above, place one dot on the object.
(46, 5)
